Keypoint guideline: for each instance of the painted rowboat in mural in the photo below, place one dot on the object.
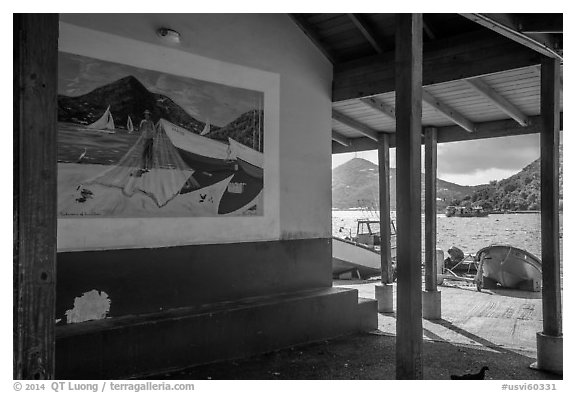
(510, 267)
(196, 149)
(252, 161)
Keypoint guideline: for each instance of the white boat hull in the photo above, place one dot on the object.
(193, 143)
(348, 256)
(511, 267)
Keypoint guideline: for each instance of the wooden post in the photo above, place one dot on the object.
(430, 158)
(408, 74)
(384, 180)
(550, 224)
(35, 111)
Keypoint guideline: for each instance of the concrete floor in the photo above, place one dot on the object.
(499, 318)
(495, 328)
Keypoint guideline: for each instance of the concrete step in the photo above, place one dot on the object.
(140, 345)
(367, 314)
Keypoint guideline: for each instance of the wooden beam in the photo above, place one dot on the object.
(505, 106)
(504, 24)
(301, 22)
(366, 31)
(380, 107)
(550, 220)
(361, 128)
(486, 130)
(408, 203)
(445, 60)
(447, 111)
(430, 173)
(384, 195)
(428, 30)
(341, 139)
(35, 157)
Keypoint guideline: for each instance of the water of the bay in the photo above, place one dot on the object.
(470, 234)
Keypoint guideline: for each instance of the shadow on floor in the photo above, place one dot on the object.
(365, 356)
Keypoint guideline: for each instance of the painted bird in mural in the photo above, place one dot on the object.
(479, 375)
(82, 156)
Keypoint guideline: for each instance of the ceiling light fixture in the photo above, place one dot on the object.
(169, 35)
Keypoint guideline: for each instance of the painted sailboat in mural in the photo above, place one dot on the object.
(252, 161)
(105, 123)
(129, 125)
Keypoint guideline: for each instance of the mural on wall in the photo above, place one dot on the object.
(140, 143)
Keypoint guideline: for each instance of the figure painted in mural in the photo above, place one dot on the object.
(148, 130)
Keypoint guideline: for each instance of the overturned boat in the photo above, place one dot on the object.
(510, 267)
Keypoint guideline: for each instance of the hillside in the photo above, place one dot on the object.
(357, 180)
(518, 192)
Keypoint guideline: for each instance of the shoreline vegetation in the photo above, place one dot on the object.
(358, 180)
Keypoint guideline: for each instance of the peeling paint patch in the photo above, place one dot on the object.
(90, 306)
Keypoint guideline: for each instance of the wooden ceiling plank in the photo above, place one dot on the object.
(307, 29)
(446, 134)
(366, 31)
(341, 139)
(448, 61)
(541, 23)
(380, 107)
(506, 106)
(447, 111)
(505, 25)
(361, 128)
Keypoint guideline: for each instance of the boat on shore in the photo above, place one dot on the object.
(462, 211)
(359, 257)
(510, 267)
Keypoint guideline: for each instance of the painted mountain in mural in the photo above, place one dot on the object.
(246, 129)
(126, 97)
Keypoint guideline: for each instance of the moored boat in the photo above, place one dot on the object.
(462, 211)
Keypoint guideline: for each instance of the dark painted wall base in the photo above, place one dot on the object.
(141, 281)
(136, 346)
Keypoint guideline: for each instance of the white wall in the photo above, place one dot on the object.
(262, 52)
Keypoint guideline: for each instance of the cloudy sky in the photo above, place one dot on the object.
(205, 101)
(472, 162)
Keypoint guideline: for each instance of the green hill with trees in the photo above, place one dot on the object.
(357, 180)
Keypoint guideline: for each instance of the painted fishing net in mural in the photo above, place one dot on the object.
(139, 143)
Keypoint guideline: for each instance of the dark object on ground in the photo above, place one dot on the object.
(479, 375)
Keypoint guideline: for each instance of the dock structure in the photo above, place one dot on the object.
(175, 290)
